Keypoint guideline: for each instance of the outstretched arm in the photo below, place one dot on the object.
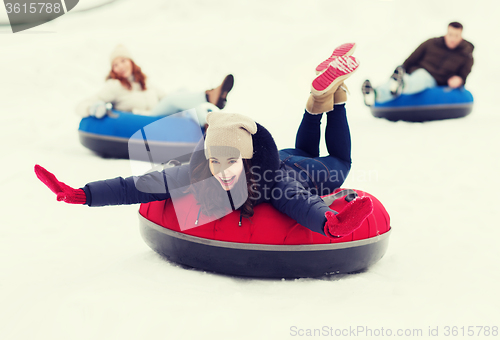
(416, 56)
(292, 199)
(118, 191)
(309, 210)
(107, 94)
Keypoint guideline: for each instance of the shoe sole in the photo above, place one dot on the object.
(333, 76)
(343, 50)
(227, 85)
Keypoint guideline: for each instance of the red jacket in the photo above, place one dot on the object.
(267, 226)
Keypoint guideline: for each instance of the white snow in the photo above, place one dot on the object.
(73, 272)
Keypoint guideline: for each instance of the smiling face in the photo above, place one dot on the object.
(122, 66)
(227, 170)
(453, 37)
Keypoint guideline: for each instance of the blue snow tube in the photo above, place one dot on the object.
(130, 136)
(436, 103)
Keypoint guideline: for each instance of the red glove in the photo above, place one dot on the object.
(64, 193)
(349, 219)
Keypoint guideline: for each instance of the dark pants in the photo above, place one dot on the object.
(322, 174)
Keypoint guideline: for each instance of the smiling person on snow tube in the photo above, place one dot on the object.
(128, 90)
(239, 167)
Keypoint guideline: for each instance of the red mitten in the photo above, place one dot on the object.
(64, 192)
(349, 219)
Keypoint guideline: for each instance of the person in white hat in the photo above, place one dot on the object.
(127, 89)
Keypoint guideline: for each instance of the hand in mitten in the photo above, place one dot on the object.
(64, 192)
(349, 219)
(98, 109)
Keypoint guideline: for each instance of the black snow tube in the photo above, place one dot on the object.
(437, 103)
(262, 260)
(157, 139)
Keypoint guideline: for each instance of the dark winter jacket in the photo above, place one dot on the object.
(441, 62)
(275, 184)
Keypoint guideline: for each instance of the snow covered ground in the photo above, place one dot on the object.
(72, 272)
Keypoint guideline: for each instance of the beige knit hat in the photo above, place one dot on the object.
(229, 130)
(120, 51)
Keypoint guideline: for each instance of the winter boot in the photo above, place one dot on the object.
(319, 104)
(337, 71)
(368, 93)
(396, 82)
(340, 96)
(343, 50)
(326, 84)
(218, 95)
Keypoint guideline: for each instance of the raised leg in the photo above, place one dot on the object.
(309, 134)
(178, 101)
(337, 134)
(416, 82)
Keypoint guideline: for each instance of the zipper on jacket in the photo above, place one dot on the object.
(197, 217)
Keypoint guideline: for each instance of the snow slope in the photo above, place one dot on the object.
(72, 272)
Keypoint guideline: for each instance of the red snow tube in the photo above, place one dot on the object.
(270, 244)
